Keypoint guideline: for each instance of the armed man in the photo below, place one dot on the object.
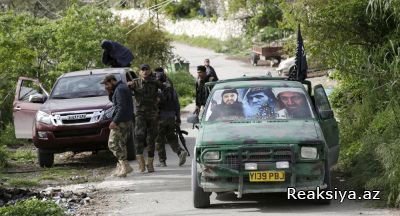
(202, 79)
(121, 123)
(146, 99)
(170, 118)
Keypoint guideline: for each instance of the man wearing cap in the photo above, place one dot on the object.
(210, 70)
(121, 123)
(230, 108)
(146, 99)
(294, 102)
(202, 79)
(169, 119)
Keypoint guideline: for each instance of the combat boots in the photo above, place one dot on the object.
(117, 170)
(150, 167)
(142, 166)
(182, 158)
(125, 168)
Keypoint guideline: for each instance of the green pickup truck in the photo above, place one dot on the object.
(262, 135)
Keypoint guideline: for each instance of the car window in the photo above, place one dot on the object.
(80, 86)
(28, 88)
(258, 103)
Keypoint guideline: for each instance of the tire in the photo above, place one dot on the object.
(130, 147)
(328, 182)
(291, 70)
(201, 199)
(45, 159)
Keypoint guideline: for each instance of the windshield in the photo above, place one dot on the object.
(80, 86)
(258, 103)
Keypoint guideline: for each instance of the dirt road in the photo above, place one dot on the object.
(167, 191)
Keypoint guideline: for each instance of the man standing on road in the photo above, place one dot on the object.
(170, 118)
(210, 70)
(202, 79)
(121, 123)
(146, 94)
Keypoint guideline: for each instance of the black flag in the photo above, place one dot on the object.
(301, 60)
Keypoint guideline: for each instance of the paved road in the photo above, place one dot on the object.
(167, 191)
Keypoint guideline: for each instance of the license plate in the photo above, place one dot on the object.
(267, 176)
(75, 117)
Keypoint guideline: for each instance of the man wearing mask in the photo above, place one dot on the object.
(169, 119)
(121, 123)
(146, 98)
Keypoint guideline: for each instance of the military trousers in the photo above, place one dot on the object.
(118, 139)
(146, 130)
(166, 134)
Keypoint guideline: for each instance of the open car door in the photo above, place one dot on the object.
(29, 96)
(328, 123)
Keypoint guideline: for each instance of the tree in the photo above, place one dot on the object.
(359, 38)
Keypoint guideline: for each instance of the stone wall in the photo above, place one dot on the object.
(221, 29)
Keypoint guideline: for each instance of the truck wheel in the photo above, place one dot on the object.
(201, 199)
(45, 159)
(327, 181)
(130, 147)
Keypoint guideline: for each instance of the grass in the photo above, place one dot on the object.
(184, 84)
(232, 46)
(22, 182)
(23, 156)
(32, 207)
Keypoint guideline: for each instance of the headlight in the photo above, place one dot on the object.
(309, 152)
(108, 113)
(250, 166)
(43, 117)
(211, 155)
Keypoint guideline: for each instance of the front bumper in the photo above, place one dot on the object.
(64, 138)
(229, 173)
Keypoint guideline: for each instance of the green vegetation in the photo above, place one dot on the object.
(20, 182)
(151, 45)
(184, 84)
(23, 156)
(182, 9)
(360, 39)
(233, 46)
(32, 207)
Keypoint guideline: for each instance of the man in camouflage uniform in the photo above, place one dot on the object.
(146, 98)
(169, 119)
(121, 123)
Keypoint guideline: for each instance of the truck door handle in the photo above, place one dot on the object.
(17, 108)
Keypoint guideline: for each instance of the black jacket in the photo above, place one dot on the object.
(223, 111)
(122, 103)
(201, 94)
(116, 54)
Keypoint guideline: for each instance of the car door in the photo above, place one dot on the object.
(24, 111)
(328, 123)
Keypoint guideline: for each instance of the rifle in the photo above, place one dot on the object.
(180, 134)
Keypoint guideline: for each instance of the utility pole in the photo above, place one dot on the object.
(158, 21)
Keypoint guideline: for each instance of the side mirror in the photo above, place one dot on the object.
(37, 98)
(193, 119)
(326, 114)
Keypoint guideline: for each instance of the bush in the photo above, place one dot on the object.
(148, 44)
(32, 207)
(3, 157)
(183, 9)
(184, 84)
